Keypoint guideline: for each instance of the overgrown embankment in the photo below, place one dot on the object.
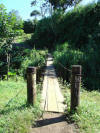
(80, 30)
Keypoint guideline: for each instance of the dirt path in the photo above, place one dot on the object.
(53, 123)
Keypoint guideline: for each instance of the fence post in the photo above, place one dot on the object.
(75, 86)
(31, 85)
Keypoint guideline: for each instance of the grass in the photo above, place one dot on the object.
(15, 115)
(87, 116)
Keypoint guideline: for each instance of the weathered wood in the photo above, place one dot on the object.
(52, 98)
(75, 86)
(31, 85)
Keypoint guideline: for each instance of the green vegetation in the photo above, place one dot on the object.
(89, 61)
(21, 59)
(63, 4)
(35, 13)
(79, 27)
(87, 116)
(15, 114)
(75, 38)
(29, 26)
(55, 5)
(10, 27)
(23, 38)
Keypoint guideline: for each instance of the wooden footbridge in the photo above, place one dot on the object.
(52, 98)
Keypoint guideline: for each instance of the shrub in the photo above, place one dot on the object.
(22, 58)
(89, 61)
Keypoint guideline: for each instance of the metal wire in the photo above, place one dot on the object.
(12, 98)
(64, 67)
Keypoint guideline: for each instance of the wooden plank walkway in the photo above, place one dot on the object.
(52, 98)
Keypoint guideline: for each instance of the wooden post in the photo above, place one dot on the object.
(31, 85)
(75, 86)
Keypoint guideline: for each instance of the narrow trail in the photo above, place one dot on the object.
(54, 120)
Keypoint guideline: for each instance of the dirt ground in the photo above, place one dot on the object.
(53, 123)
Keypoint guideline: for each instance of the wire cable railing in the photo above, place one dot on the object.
(64, 67)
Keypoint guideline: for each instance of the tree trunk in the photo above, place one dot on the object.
(8, 65)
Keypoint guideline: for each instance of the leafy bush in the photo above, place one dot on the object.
(89, 61)
(35, 58)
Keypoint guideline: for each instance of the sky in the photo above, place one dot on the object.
(24, 7)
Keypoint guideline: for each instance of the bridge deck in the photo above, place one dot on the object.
(52, 98)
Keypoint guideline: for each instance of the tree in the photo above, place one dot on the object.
(3, 23)
(10, 27)
(98, 1)
(44, 6)
(56, 4)
(34, 2)
(63, 4)
(35, 13)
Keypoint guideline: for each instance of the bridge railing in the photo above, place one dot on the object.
(76, 74)
(75, 85)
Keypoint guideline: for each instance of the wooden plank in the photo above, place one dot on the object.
(52, 98)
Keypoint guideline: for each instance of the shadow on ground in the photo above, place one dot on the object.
(49, 121)
(53, 123)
